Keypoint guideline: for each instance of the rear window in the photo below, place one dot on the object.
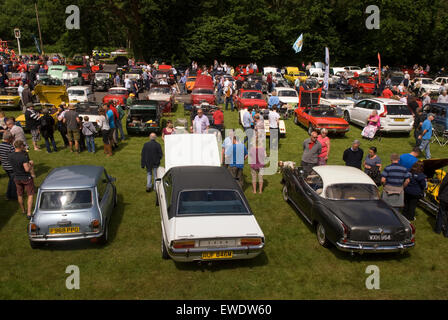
(398, 109)
(210, 202)
(287, 93)
(66, 200)
(349, 191)
(76, 92)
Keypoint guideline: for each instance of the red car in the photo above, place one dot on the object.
(250, 98)
(317, 117)
(13, 80)
(203, 90)
(363, 83)
(119, 94)
(75, 66)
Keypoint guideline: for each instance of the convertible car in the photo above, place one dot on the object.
(435, 174)
(317, 117)
(204, 213)
(250, 98)
(344, 206)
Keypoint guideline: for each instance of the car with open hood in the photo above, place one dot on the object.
(73, 203)
(343, 204)
(117, 95)
(203, 91)
(164, 95)
(144, 117)
(204, 213)
(51, 93)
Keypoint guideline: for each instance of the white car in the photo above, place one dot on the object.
(336, 98)
(395, 116)
(427, 85)
(442, 81)
(204, 213)
(288, 96)
(80, 94)
(354, 69)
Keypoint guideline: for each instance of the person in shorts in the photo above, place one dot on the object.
(71, 119)
(23, 170)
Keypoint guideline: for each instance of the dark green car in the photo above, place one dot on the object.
(144, 117)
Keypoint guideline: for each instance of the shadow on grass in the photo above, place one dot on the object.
(41, 169)
(214, 266)
(9, 208)
(114, 225)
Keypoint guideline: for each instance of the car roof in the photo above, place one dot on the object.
(284, 89)
(335, 174)
(78, 87)
(385, 101)
(73, 177)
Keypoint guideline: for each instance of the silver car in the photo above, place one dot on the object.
(73, 203)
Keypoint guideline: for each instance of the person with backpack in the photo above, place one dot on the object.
(47, 129)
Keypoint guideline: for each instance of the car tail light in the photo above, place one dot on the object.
(183, 244)
(251, 241)
(412, 233)
(95, 225)
(34, 228)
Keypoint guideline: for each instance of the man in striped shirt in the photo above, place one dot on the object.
(6, 148)
(395, 178)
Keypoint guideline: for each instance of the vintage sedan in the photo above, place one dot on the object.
(9, 98)
(317, 117)
(250, 98)
(102, 81)
(205, 215)
(344, 205)
(118, 95)
(144, 117)
(164, 95)
(73, 203)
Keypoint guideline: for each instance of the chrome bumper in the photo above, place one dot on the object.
(195, 254)
(373, 248)
(66, 237)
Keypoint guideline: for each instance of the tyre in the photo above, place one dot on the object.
(105, 237)
(285, 193)
(322, 236)
(165, 255)
(36, 245)
(347, 116)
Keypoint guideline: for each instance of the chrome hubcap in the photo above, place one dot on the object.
(321, 234)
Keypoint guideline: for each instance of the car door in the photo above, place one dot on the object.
(312, 187)
(358, 111)
(165, 199)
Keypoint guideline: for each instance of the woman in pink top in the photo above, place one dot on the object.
(373, 124)
(325, 142)
(168, 130)
(257, 155)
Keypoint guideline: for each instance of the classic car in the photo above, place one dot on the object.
(53, 94)
(442, 81)
(13, 80)
(39, 107)
(433, 169)
(251, 79)
(288, 96)
(9, 98)
(56, 71)
(336, 98)
(427, 85)
(190, 83)
(102, 81)
(344, 205)
(72, 78)
(320, 116)
(89, 109)
(80, 94)
(145, 116)
(292, 73)
(250, 98)
(395, 116)
(363, 83)
(163, 94)
(116, 94)
(205, 215)
(73, 203)
(203, 90)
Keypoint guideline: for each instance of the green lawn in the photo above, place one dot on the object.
(293, 265)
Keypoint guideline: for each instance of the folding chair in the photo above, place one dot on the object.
(440, 137)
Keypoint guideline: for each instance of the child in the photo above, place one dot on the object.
(89, 131)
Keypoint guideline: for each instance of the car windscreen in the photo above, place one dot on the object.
(366, 80)
(118, 92)
(210, 202)
(203, 91)
(159, 91)
(323, 112)
(252, 95)
(69, 75)
(350, 191)
(427, 81)
(101, 76)
(398, 109)
(76, 92)
(287, 93)
(65, 200)
(192, 79)
(335, 95)
(151, 113)
(15, 76)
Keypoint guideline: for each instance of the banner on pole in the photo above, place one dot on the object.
(37, 44)
(298, 44)
(327, 68)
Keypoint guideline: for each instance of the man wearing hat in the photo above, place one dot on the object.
(426, 135)
(353, 156)
(71, 119)
(32, 120)
(130, 99)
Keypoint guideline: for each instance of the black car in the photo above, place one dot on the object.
(102, 81)
(344, 206)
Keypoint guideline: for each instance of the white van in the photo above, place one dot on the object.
(80, 94)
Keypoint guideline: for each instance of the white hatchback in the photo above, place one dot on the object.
(80, 94)
(395, 116)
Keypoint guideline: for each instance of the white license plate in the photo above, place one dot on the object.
(380, 237)
(219, 243)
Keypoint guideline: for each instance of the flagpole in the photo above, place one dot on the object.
(38, 26)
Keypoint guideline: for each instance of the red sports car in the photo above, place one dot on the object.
(317, 117)
(363, 83)
(119, 94)
(250, 98)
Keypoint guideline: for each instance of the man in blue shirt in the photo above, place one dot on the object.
(426, 135)
(407, 160)
(273, 100)
(237, 154)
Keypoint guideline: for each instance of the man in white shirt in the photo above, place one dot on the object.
(443, 98)
(274, 120)
(128, 84)
(201, 124)
(20, 90)
(426, 99)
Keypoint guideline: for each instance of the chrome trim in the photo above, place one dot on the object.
(66, 237)
(374, 247)
(199, 250)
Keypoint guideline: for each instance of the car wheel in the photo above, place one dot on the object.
(105, 237)
(322, 236)
(36, 245)
(310, 129)
(347, 116)
(165, 254)
(285, 193)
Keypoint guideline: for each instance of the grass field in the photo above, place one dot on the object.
(293, 265)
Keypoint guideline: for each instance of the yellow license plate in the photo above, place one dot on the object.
(64, 230)
(399, 120)
(217, 255)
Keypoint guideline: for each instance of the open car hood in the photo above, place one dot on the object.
(431, 165)
(51, 94)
